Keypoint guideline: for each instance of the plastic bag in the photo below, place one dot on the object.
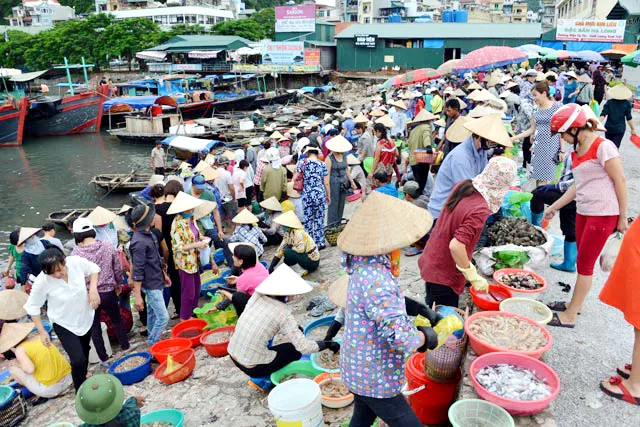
(205, 258)
(595, 107)
(510, 259)
(216, 319)
(444, 328)
(610, 252)
(516, 203)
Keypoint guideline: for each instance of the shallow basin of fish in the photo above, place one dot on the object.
(513, 382)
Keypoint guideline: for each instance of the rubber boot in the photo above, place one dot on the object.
(570, 255)
(262, 383)
(536, 218)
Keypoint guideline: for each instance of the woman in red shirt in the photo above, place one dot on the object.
(386, 151)
(445, 265)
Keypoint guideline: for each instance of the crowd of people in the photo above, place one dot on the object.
(444, 146)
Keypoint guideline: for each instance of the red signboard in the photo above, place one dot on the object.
(312, 57)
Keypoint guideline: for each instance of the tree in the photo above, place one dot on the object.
(125, 38)
(5, 8)
(81, 6)
(12, 50)
(266, 18)
(246, 28)
(181, 29)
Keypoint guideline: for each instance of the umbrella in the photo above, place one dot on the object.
(630, 59)
(530, 48)
(387, 84)
(561, 54)
(613, 53)
(489, 57)
(416, 76)
(446, 67)
(589, 55)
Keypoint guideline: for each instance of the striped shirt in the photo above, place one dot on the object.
(249, 234)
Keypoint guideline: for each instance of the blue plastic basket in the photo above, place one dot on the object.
(134, 375)
(218, 256)
(6, 395)
(172, 416)
(316, 365)
(322, 321)
(265, 264)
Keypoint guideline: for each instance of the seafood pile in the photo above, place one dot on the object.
(509, 333)
(189, 333)
(513, 382)
(328, 359)
(521, 281)
(334, 388)
(130, 363)
(516, 231)
(218, 337)
(293, 377)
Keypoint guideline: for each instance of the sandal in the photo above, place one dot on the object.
(625, 396)
(622, 373)
(412, 252)
(558, 306)
(557, 322)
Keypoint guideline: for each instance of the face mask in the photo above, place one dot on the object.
(187, 215)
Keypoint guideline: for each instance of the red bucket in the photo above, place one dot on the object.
(156, 110)
(636, 140)
(432, 403)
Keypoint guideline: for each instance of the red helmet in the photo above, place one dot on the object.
(567, 117)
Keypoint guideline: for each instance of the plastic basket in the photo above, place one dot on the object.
(14, 411)
(171, 416)
(302, 367)
(443, 363)
(424, 156)
(185, 357)
(6, 394)
(476, 412)
(217, 349)
(332, 232)
(134, 375)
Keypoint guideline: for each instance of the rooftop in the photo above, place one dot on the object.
(185, 43)
(444, 31)
(177, 10)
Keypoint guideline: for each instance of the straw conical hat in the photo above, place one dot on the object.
(541, 77)
(289, 219)
(375, 229)
(338, 291)
(440, 122)
(294, 131)
(229, 155)
(509, 86)
(424, 116)
(101, 216)
(481, 95)
(484, 110)
(338, 144)
(125, 208)
(202, 165)
(347, 114)
(13, 333)
(352, 160)
(474, 86)
(494, 80)
(360, 118)
(386, 121)
(490, 127)
(459, 92)
(584, 78)
(275, 135)
(272, 204)
(25, 233)
(204, 209)
(377, 113)
(245, 217)
(210, 174)
(11, 303)
(283, 282)
(291, 192)
(183, 202)
(571, 74)
(620, 92)
(463, 104)
(184, 165)
(457, 132)
(399, 104)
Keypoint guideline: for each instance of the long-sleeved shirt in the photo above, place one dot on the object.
(465, 162)
(299, 241)
(399, 121)
(366, 145)
(67, 301)
(146, 261)
(378, 334)
(182, 234)
(249, 234)
(585, 93)
(107, 258)
(273, 182)
(262, 319)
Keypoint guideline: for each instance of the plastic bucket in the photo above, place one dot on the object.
(431, 404)
(297, 403)
(156, 110)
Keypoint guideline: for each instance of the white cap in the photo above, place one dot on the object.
(81, 225)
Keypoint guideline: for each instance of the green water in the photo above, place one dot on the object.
(49, 174)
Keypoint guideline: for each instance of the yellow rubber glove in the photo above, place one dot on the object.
(478, 282)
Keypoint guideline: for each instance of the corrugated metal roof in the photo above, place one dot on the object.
(320, 44)
(444, 31)
(632, 6)
(193, 42)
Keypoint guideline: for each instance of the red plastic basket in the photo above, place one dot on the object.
(218, 349)
(481, 347)
(498, 275)
(187, 358)
(186, 325)
(162, 349)
(635, 139)
(485, 301)
(516, 407)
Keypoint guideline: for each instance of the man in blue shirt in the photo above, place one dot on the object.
(469, 158)
(382, 184)
(348, 126)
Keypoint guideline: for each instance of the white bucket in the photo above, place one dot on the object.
(297, 403)
(93, 356)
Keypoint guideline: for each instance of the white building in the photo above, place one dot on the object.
(167, 17)
(40, 13)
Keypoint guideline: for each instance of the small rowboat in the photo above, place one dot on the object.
(126, 182)
(65, 217)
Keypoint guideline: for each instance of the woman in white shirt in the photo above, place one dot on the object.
(70, 306)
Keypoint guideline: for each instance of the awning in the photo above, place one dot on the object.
(194, 145)
(152, 55)
(247, 51)
(139, 102)
(27, 77)
(204, 54)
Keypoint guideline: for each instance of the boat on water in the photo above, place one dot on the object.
(267, 99)
(65, 217)
(148, 129)
(121, 182)
(73, 114)
(12, 118)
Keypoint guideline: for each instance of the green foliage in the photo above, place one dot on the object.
(182, 29)
(246, 28)
(266, 18)
(5, 9)
(125, 38)
(82, 6)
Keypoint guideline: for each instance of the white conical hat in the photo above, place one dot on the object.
(25, 233)
(101, 216)
(210, 174)
(202, 165)
(245, 217)
(338, 144)
(272, 204)
(11, 304)
(360, 118)
(275, 135)
(490, 127)
(283, 282)
(620, 91)
(204, 209)
(386, 121)
(289, 219)
(183, 202)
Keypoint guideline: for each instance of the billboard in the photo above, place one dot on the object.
(312, 57)
(295, 19)
(365, 40)
(590, 30)
(275, 68)
(285, 53)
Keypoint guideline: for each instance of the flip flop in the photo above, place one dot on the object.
(557, 322)
(626, 396)
(412, 252)
(622, 373)
(558, 306)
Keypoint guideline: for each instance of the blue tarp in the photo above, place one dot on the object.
(140, 84)
(594, 46)
(433, 43)
(552, 44)
(310, 89)
(136, 102)
(233, 76)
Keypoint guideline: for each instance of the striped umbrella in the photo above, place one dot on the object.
(416, 76)
(489, 57)
(446, 67)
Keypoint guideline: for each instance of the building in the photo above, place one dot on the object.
(40, 13)
(548, 16)
(323, 39)
(584, 9)
(417, 45)
(167, 17)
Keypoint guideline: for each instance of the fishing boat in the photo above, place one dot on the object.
(126, 182)
(148, 129)
(65, 217)
(266, 99)
(12, 118)
(51, 115)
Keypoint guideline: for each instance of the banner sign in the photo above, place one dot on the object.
(295, 19)
(589, 30)
(274, 68)
(287, 53)
(365, 40)
(312, 57)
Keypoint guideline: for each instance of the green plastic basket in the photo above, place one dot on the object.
(477, 412)
(172, 416)
(303, 367)
(6, 394)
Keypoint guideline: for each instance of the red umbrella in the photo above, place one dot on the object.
(416, 76)
(489, 57)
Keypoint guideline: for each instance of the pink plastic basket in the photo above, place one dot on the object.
(516, 407)
(498, 275)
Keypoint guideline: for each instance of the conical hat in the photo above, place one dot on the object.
(584, 78)
(155, 179)
(424, 116)
(481, 95)
(204, 209)
(494, 80)
(484, 110)
(490, 127)
(13, 333)
(272, 204)
(183, 202)
(399, 104)
(229, 155)
(291, 193)
(352, 160)
(377, 113)
(457, 132)
(202, 165)
(386, 121)
(294, 131)
(275, 135)
(440, 122)
(338, 144)
(360, 118)
(509, 86)
(338, 291)
(283, 282)
(347, 114)
(620, 92)
(11, 303)
(541, 77)
(25, 233)
(474, 86)
(375, 229)
(101, 216)
(463, 104)
(124, 209)
(245, 217)
(571, 74)
(184, 165)
(210, 174)
(289, 219)
(459, 92)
